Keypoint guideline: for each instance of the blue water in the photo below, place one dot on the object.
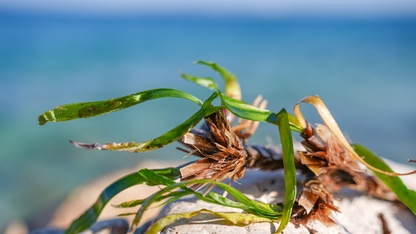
(365, 70)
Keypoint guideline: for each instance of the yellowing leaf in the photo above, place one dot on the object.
(229, 217)
(330, 122)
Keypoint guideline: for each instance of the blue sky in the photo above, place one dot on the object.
(219, 7)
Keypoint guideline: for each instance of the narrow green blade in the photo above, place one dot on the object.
(249, 205)
(407, 196)
(205, 82)
(90, 216)
(171, 195)
(90, 109)
(289, 167)
(247, 111)
(232, 87)
(242, 202)
(165, 139)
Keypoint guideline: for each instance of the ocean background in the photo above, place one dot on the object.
(363, 68)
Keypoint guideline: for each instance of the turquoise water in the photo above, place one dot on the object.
(365, 70)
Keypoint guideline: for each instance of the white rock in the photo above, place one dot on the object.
(359, 213)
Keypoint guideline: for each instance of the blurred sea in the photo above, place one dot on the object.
(364, 69)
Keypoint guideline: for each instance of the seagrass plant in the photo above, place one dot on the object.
(328, 162)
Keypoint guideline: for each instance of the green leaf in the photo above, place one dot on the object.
(245, 203)
(202, 81)
(171, 195)
(129, 204)
(90, 109)
(232, 87)
(242, 202)
(233, 218)
(90, 216)
(405, 195)
(165, 139)
(247, 111)
(289, 167)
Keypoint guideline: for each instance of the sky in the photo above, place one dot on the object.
(215, 7)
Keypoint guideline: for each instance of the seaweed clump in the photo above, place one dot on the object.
(328, 162)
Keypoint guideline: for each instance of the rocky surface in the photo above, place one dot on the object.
(360, 213)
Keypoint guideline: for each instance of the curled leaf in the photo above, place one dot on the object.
(330, 122)
(405, 195)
